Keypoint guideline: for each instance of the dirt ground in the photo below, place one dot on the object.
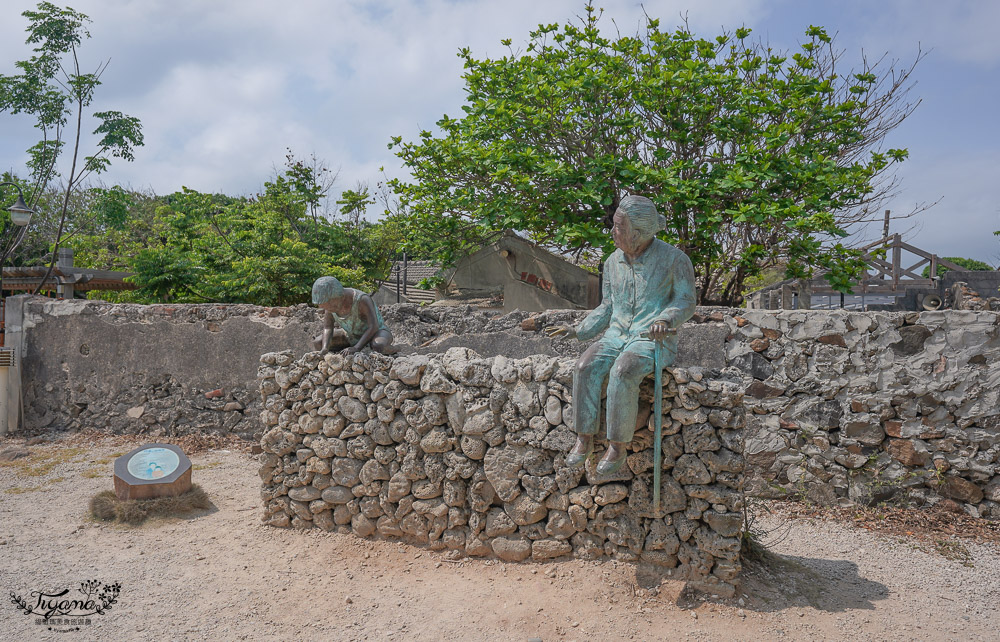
(220, 574)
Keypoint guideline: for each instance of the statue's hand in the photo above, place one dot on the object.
(349, 350)
(660, 330)
(554, 331)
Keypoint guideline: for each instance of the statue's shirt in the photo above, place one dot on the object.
(353, 324)
(657, 286)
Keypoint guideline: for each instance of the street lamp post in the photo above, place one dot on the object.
(20, 216)
(13, 234)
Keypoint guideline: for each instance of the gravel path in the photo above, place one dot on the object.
(220, 574)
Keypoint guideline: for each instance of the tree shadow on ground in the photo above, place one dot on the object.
(772, 582)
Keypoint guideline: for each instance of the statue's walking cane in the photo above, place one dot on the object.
(658, 420)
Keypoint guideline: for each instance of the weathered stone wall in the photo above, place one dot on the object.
(167, 370)
(847, 405)
(866, 407)
(156, 369)
(467, 453)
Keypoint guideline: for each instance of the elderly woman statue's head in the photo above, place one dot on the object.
(636, 223)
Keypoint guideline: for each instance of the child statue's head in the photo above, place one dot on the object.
(325, 289)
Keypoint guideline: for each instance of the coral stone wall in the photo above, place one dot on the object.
(467, 453)
(865, 407)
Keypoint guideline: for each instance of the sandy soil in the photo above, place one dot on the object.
(220, 574)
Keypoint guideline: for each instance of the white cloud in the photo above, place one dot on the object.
(963, 31)
(968, 212)
(223, 87)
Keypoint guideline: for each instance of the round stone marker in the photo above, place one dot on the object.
(152, 470)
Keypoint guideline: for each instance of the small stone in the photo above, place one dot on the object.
(833, 340)
(544, 549)
(213, 394)
(305, 493)
(11, 454)
(560, 525)
(135, 412)
(499, 523)
(324, 520)
(610, 494)
(502, 466)
(512, 549)
(553, 410)
(425, 489)
(472, 447)
(353, 410)
(962, 490)
(865, 432)
(992, 490)
(362, 525)
(904, 451)
(346, 471)
(408, 369)
(399, 487)
(690, 470)
(337, 495)
(725, 524)
(524, 510)
(437, 441)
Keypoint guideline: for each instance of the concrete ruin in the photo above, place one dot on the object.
(523, 276)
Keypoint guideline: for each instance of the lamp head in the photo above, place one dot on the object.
(20, 213)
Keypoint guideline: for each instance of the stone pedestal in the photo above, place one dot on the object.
(152, 470)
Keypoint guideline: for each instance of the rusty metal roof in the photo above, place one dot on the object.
(28, 278)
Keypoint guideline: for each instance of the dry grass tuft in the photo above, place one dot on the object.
(106, 506)
(42, 462)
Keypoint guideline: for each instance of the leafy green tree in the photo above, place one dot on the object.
(968, 264)
(52, 88)
(757, 157)
(194, 247)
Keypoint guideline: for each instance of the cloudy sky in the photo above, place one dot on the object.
(223, 87)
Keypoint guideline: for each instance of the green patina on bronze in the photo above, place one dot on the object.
(648, 292)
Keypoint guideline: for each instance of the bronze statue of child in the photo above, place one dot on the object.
(351, 320)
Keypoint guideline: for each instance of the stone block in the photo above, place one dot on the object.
(511, 549)
(544, 549)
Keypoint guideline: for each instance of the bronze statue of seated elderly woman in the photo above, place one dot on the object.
(648, 292)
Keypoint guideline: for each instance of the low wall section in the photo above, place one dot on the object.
(865, 407)
(846, 406)
(461, 452)
(162, 370)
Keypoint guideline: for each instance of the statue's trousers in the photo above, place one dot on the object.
(625, 363)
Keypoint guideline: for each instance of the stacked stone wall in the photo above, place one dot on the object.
(850, 407)
(461, 452)
(847, 406)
